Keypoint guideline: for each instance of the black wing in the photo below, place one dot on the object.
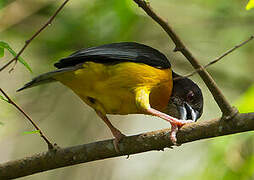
(116, 53)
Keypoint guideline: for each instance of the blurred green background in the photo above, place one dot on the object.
(208, 28)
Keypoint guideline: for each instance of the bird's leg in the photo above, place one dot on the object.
(116, 133)
(168, 118)
(142, 100)
(175, 123)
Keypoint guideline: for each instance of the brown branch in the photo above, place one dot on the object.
(217, 59)
(27, 42)
(224, 105)
(50, 145)
(156, 140)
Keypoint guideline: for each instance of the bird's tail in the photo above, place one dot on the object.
(47, 77)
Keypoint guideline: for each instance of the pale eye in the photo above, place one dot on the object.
(190, 96)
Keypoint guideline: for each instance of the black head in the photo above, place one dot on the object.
(186, 101)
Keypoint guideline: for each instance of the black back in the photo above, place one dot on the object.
(116, 53)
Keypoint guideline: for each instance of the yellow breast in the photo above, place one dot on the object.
(111, 88)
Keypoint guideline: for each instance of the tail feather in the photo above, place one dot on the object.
(47, 77)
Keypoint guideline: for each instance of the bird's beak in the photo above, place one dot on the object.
(187, 112)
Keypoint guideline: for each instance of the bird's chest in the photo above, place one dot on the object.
(160, 95)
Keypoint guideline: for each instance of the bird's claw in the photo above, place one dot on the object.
(173, 132)
(174, 129)
(118, 137)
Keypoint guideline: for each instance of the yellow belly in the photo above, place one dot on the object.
(111, 88)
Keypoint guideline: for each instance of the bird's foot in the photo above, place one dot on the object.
(174, 129)
(173, 132)
(180, 123)
(118, 137)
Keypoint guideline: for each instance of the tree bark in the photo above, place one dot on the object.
(156, 140)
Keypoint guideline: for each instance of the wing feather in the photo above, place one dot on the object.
(116, 53)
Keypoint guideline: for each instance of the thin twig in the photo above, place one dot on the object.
(50, 145)
(217, 59)
(226, 108)
(27, 42)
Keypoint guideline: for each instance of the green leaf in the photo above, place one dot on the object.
(4, 99)
(1, 52)
(246, 103)
(4, 44)
(250, 5)
(20, 59)
(1, 123)
(32, 132)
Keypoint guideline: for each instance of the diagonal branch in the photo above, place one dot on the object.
(27, 42)
(156, 140)
(218, 58)
(9, 100)
(220, 99)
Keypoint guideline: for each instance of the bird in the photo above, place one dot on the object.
(127, 78)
